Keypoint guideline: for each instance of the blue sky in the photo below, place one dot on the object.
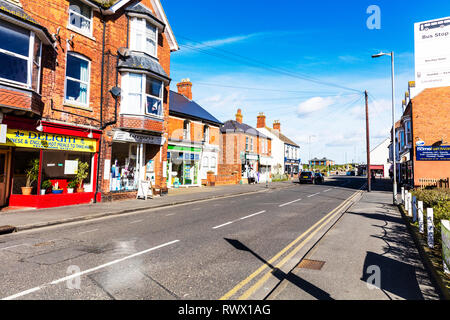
(230, 49)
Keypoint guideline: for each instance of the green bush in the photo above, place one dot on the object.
(439, 200)
(280, 177)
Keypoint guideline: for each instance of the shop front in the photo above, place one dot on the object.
(292, 167)
(265, 168)
(183, 165)
(133, 157)
(250, 166)
(52, 167)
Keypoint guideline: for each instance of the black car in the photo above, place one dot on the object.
(311, 177)
(318, 178)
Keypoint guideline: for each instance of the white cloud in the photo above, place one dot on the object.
(313, 105)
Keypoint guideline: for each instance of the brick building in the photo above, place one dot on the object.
(423, 137)
(194, 136)
(83, 82)
(242, 150)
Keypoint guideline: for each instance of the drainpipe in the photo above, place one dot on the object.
(101, 108)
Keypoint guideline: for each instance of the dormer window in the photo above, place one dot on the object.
(80, 17)
(143, 36)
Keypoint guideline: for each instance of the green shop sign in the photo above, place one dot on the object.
(189, 149)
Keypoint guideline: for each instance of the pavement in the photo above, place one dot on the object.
(238, 247)
(37, 218)
(369, 244)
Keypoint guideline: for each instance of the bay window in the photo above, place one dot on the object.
(20, 56)
(80, 17)
(142, 95)
(77, 79)
(143, 36)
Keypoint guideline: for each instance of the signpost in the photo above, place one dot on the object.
(432, 53)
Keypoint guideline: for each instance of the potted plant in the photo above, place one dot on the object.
(56, 189)
(47, 184)
(71, 186)
(32, 175)
(82, 173)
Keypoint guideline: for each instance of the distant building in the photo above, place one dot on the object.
(285, 152)
(194, 138)
(379, 159)
(244, 152)
(321, 162)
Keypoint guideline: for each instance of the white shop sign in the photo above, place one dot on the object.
(138, 138)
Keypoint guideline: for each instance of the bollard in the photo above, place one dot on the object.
(410, 204)
(420, 211)
(403, 195)
(430, 227)
(406, 201)
(414, 208)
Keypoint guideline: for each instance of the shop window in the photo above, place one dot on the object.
(125, 167)
(21, 163)
(142, 95)
(186, 130)
(77, 79)
(80, 17)
(60, 167)
(144, 36)
(20, 53)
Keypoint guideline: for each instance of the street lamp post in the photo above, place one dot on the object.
(394, 186)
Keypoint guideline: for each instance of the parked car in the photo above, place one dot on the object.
(319, 178)
(311, 177)
(351, 173)
(306, 177)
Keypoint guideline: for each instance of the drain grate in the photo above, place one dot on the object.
(311, 264)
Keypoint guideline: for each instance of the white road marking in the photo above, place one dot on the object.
(170, 214)
(326, 190)
(137, 221)
(17, 245)
(79, 274)
(312, 195)
(87, 231)
(252, 215)
(223, 225)
(288, 203)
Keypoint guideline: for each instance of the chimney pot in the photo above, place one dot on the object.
(239, 116)
(261, 120)
(277, 125)
(185, 88)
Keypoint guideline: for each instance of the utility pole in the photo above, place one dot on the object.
(369, 187)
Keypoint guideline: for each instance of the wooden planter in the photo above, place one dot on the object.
(211, 179)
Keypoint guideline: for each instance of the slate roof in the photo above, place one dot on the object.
(234, 126)
(283, 137)
(18, 13)
(141, 61)
(179, 105)
(139, 8)
(105, 3)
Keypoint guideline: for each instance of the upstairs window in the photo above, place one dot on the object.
(77, 79)
(206, 134)
(143, 36)
(142, 95)
(20, 56)
(80, 17)
(186, 130)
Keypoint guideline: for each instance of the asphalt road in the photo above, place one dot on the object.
(196, 251)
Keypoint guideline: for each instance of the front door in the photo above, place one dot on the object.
(4, 176)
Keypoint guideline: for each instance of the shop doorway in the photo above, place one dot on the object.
(4, 176)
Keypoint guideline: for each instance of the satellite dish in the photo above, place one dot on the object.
(115, 91)
(123, 52)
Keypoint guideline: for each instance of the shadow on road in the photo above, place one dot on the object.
(306, 286)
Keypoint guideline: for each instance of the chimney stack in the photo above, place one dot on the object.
(239, 116)
(277, 125)
(185, 88)
(261, 120)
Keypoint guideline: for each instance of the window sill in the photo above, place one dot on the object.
(80, 32)
(18, 86)
(147, 116)
(76, 106)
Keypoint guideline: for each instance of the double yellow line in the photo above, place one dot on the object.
(320, 224)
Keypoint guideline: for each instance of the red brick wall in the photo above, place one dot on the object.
(430, 123)
(53, 15)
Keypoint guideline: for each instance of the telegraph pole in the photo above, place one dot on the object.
(369, 187)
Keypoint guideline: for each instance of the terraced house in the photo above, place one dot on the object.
(84, 96)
